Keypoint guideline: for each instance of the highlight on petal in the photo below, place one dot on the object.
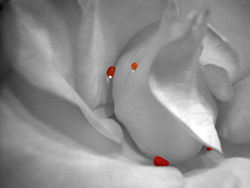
(165, 103)
(177, 82)
(234, 120)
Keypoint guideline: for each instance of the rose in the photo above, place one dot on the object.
(36, 137)
(167, 99)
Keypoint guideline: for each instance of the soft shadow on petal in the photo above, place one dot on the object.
(46, 142)
(233, 172)
(234, 121)
(218, 82)
(43, 53)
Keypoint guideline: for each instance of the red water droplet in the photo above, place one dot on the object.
(209, 149)
(121, 123)
(134, 65)
(159, 161)
(111, 72)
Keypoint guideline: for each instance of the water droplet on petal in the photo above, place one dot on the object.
(159, 161)
(111, 72)
(209, 149)
(134, 66)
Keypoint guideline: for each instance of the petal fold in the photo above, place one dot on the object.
(177, 82)
(43, 58)
(218, 82)
(218, 51)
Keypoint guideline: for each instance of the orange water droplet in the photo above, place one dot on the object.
(209, 149)
(111, 72)
(134, 66)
